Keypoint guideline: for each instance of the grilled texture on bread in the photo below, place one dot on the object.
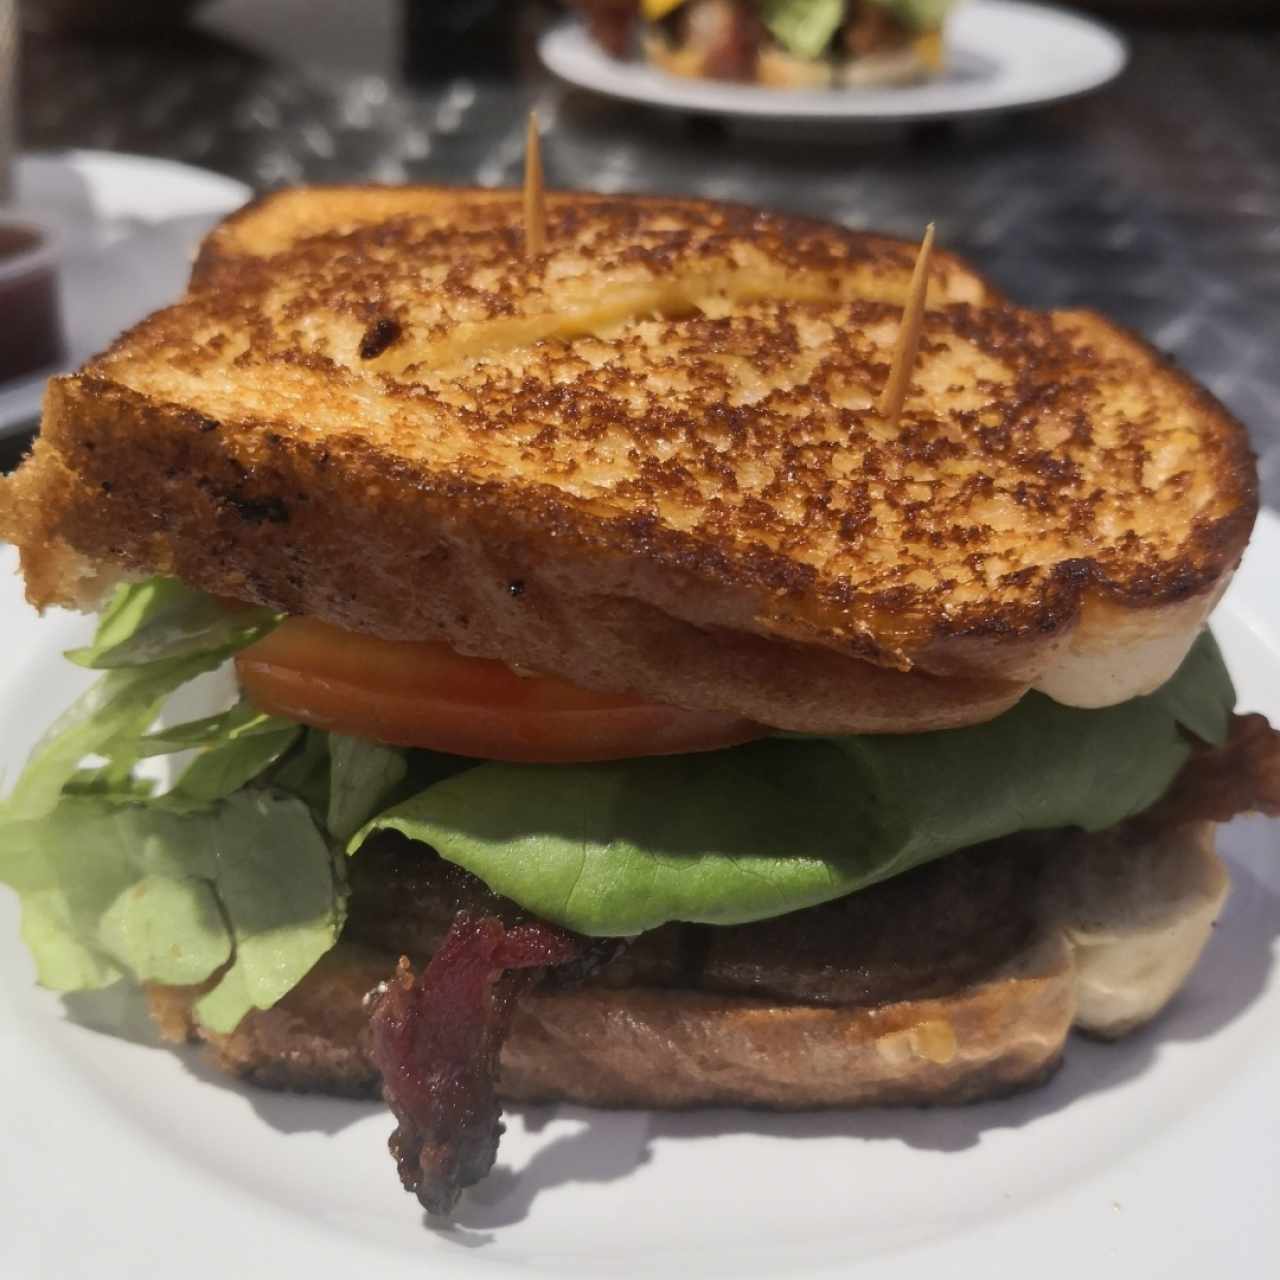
(955, 982)
(649, 460)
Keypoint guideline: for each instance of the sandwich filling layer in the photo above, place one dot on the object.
(239, 867)
(237, 879)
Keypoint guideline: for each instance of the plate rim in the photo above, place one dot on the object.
(91, 159)
(21, 399)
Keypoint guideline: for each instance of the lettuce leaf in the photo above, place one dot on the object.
(105, 720)
(221, 876)
(232, 763)
(234, 748)
(803, 27)
(1201, 695)
(283, 889)
(153, 638)
(362, 777)
(163, 620)
(111, 889)
(241, 721)
(344, 780)
(305, 772)
(733, 836)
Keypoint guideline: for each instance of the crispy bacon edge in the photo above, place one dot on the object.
(436, 1040)
(1218, 783)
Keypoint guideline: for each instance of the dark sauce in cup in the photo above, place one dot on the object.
(30, 321)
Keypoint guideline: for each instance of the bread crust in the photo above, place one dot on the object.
(677, 1049)
(702, 508)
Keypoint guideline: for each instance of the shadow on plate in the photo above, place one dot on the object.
(288, 1112)
(968, 66)
(121, 1012)
(608, 1146)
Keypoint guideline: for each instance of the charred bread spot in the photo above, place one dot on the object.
(381, 334)
(269, 510)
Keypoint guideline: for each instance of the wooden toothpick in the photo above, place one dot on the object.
(908, 344)
(535, 198)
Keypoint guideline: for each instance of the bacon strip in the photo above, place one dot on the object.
(871, 29)
(731, 33)
(611, 23)
(436, 1041)
(1217, 783)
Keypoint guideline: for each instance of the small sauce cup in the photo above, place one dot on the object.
(31, 336)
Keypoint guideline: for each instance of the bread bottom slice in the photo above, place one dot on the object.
(651, 1047)
(1118, 925)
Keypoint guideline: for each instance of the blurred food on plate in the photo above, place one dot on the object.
(28, 288)
(783, 44)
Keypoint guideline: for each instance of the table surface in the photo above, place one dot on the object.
(1156, 200)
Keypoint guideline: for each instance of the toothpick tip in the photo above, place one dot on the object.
(535, 204)
(907, 347)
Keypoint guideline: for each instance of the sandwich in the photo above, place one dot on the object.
(782, 44)
(629, 707)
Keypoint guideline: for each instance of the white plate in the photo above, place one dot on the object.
(128, 226)
(1159, 1156)
(1001, 55)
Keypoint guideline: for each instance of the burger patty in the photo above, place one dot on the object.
(921, 935)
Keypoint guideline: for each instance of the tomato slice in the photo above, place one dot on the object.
(426, 695)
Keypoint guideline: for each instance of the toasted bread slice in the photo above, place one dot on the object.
(649, 460)
(968, 991)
